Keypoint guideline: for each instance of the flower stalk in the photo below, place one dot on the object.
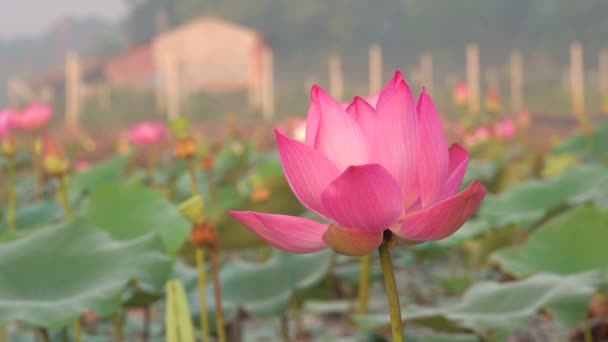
(12, 195)
(217, 290)
(363, 291)
(117, 323)
(202, 298)
(64, 196)
(391, 287)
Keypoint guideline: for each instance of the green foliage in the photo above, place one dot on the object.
(52, 275)
(178, 322)
(570, 243)
(499, 309)
(128, 211)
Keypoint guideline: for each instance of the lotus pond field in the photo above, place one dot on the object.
(362, 223)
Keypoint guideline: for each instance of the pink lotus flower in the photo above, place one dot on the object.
(33, 117)
(366, 170)
(6, 122)
(505, 129)
(147, 133)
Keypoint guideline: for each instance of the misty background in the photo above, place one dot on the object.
(35, 35)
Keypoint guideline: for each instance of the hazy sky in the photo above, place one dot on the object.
(30, 17)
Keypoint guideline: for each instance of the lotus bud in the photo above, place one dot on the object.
(185, 148)
(193, 209)
(207, 163)
(54, 161)
(259, 194)
(204, 235)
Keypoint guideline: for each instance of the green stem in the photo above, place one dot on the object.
(12, 195)
(193, 178)
(587, 334)
(363, 292)
(3, 335)
(146, 334)
(36, 165)
(219, 312)
(44, 334)
(77, 330)
(202, 297)
(65, 336)
(285, 328)
(391, 288)
(117, 323)
(64, 197)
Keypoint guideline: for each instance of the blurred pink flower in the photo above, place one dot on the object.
(366, 170)
(82, 165)
(523, 118)
(480, 135)
(505, 129)
(461, 94)
(7, 117)
(147, 133)
(33, 117)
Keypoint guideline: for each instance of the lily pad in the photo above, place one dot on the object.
(529, 202)
(50, 277)
(572, 242)
(265, 289)
(109, 171)
(499, 309)
(128, 211)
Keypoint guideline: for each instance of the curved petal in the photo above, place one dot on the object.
(433, 158)
(307, 171)
(312, 124)
(459, 158)
(395, 138)
(289, 233)
(389, 89)
(352, 242)
(442, 219)
(365, 115)
(364, 197)
(339, 136)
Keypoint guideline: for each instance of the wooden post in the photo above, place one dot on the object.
(577, 79)
(473, 82)
(172, 88)
(517, 80)
(375, 69)
(336, 80)
(426, 70)
(255, 76)
(72, 90)
(603, 78)
(267, 84)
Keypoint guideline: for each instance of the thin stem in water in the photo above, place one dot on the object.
(391, 288)
(363, 291)
(64, 196)
(202, 298)
(219, 313)
(12, 195)
(193, 177)
(117, 323)
(77, 330)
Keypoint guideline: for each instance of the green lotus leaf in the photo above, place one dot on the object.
(48, 278)
(529, 202)
(128, 211)
(570, 243)
(499, 309)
